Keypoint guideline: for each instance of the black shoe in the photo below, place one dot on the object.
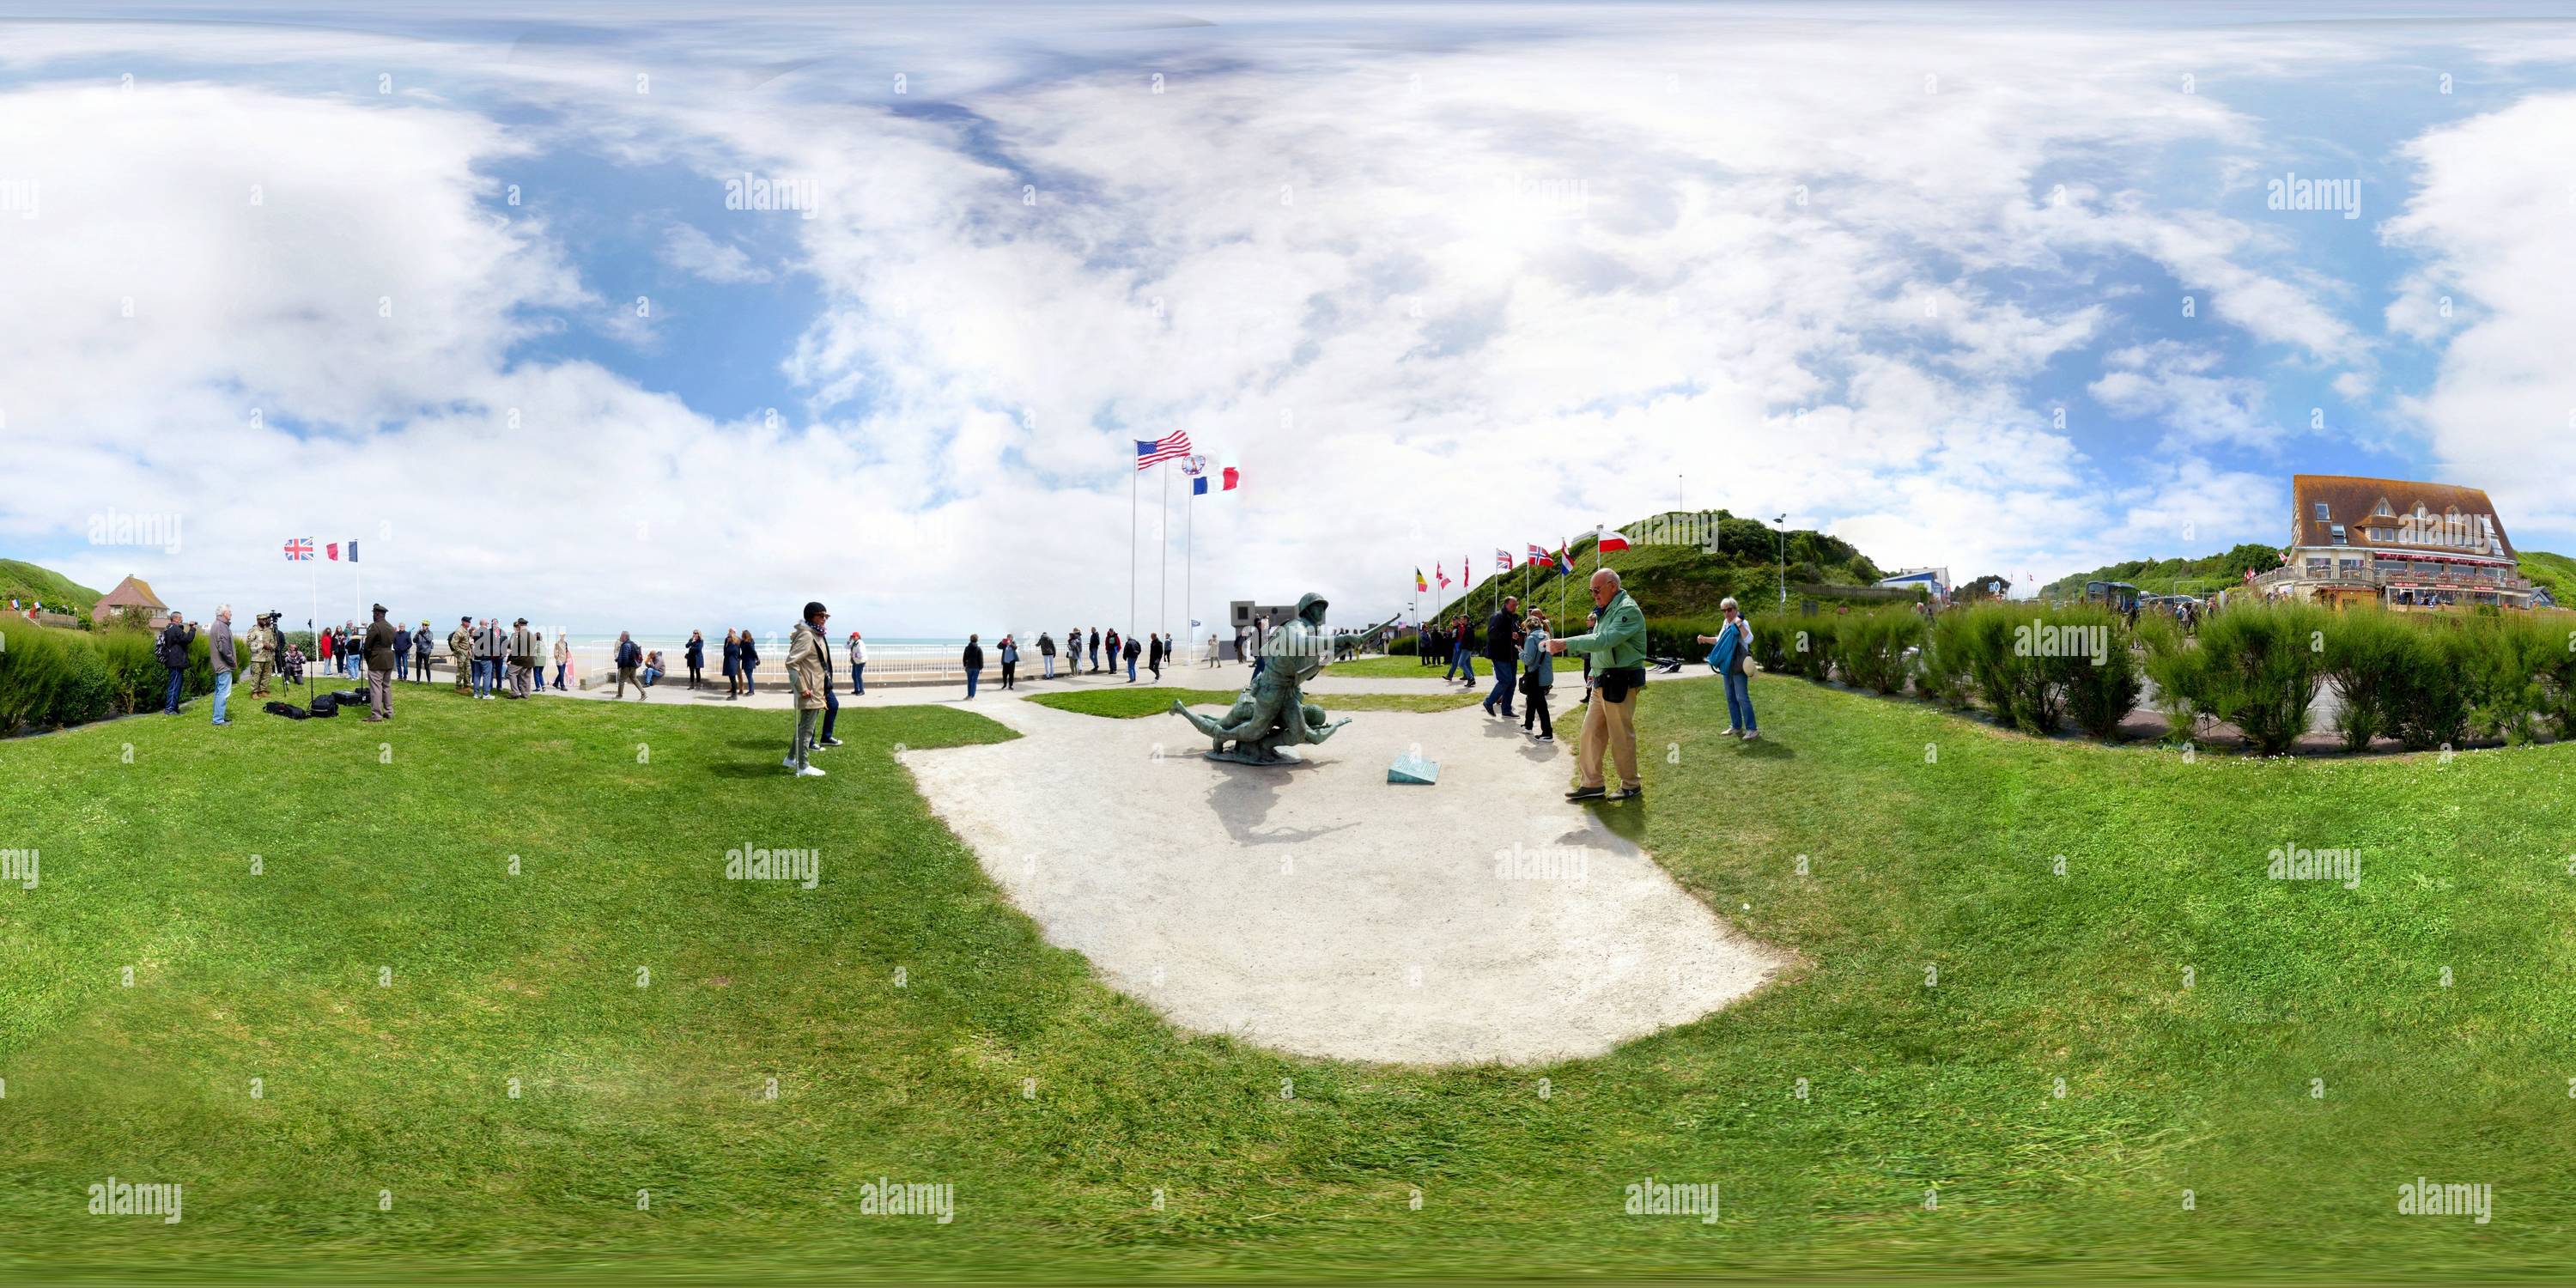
(1586, 794)
(1629, 794)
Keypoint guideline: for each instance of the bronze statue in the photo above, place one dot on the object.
(1272, 711)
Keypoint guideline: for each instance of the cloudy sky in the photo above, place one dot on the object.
(662, 316)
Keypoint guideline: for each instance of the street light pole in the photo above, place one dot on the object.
(1783, 521)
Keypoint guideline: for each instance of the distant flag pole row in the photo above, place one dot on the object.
(1174, 446)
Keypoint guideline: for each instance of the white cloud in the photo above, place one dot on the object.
(688, 249)
(2182, 385)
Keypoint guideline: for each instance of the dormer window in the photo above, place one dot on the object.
(2383, 511)
(2337, 532)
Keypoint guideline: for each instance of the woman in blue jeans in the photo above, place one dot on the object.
(1731, 656)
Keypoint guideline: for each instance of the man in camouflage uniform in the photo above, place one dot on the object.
(263, 655)
(460, 643)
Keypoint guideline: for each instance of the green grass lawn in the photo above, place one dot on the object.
(1390, 668)
(1129, 704)
(1059, 1110)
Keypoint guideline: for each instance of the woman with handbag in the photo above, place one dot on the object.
(1538, 675)
(1730, 656)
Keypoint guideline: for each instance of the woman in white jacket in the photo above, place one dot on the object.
(858, 664)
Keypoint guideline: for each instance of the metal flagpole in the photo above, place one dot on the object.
(313, 583)
(1131, 552)
(1163, 540)
(1189, 561)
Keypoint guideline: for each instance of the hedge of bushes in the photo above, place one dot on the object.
(50, 678)
(2426, 680)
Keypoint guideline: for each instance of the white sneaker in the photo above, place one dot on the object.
(809, 772)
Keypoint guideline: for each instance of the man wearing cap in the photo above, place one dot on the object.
(263, 654)
(380, 668)
(809, 674)
(460, 645)
(523, 657)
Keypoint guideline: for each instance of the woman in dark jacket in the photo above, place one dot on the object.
(973, 661)
(750, 661)
(732, 666)
(697, 653)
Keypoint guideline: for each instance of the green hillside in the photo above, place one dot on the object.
(2553, 573)
(31, 582)
(2212, 573)
(1670, 571)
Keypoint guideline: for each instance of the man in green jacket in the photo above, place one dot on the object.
(1617, 646)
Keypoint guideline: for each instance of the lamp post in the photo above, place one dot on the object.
(1783, 521)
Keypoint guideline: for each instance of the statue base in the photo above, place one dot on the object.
(1239, 756)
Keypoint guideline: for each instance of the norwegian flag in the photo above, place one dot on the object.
(1539, 557)
(299, 549)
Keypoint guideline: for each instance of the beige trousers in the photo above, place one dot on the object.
(1611, 725)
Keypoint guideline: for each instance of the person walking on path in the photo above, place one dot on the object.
(809, 674)
(1010, 655)
(1095, 650)
(696, 653)
(732, 666)
(460, 648)
(1609, 722)
(1154, 659)
(1046, 656)
(379, 649)
(171, 651)
(858, 665)
(1538, 675)
(1461, 658)
(973, 661)
(1134, 651)
(750, 662)
(1114, 644)
(1503, 649)
(563, 660)
(219, 654)
(630, 655)
(1732, 649)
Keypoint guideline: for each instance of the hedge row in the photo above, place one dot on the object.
(51, 678)
(2425, 679)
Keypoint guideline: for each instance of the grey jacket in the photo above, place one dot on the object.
(1535, 661)
(220, 646)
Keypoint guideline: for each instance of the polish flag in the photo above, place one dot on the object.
(1611, 539)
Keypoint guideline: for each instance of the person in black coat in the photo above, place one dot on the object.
(1154, 658)
(750, 661)
(732, 666)
(974, 662)
(1503, 649)
(697, 655)
(171, 651)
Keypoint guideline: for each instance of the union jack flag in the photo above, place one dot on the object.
(1173, 446)
(299, 549)
(1503, 560)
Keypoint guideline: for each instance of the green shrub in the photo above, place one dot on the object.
(2099, 691)
(1811, 645)
(1772, 638)
(2260, 666)
(1874, 649)
(1944, 673)
(2558, 676)
(2179, 671)
(2430, 705)
(2508, 684)
(50, 679)
(2370, 653)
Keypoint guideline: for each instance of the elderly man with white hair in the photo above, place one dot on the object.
(1617, 645)
(219, 654)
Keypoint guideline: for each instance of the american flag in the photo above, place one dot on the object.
(299, 549)
(1170, 447)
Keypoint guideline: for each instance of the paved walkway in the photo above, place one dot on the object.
(1323, 911)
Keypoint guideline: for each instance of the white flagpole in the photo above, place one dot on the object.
(1163, 539)
(1189, 561)
(312, 583)
(1131, 552)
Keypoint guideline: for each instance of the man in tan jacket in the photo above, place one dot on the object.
(809, 675)
(460, 648)
(523, 656)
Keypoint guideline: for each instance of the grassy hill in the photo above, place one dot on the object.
(31, 582)
(1672, 573)
(2212, 573)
